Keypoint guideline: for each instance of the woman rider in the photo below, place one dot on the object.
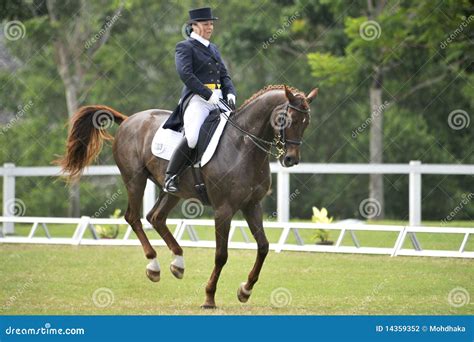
(206, 81)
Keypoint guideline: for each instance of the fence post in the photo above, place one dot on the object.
(283, 196)
(415, 203)
(9, 197)
(415, 195)
(148, 197)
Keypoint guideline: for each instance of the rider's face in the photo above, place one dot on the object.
(204, 28)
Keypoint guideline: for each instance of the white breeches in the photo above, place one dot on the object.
(197, 111)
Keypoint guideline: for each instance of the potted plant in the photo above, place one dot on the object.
(321, 235)
(109, 231)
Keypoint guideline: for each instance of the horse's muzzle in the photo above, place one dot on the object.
(289, 160)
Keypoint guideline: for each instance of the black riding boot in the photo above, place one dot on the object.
(182, 157)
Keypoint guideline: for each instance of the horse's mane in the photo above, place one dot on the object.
(268, 88)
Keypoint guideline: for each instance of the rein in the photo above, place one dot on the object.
(279, 141)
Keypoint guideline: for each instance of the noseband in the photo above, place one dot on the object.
(279, 142)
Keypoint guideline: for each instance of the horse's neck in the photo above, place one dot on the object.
(255, 117)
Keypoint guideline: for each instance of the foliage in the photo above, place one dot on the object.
(317, 43)
(109, 231)
(321, 216)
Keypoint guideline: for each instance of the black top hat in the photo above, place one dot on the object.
(201, 14)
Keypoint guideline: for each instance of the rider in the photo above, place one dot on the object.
(206, 81)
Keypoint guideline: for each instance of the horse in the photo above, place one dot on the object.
(237, 177)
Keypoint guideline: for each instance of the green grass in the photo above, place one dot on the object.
(46, 279)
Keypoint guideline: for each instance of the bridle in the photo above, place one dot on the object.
(279, 141)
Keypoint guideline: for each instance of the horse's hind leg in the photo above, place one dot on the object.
(157, 217)
(135, 188)
(253, 216)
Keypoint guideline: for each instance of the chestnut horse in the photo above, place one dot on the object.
(237, 177)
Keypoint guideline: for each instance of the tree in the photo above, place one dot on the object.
(73, 29)
(75, 44)
(380, 40)
(426, 78)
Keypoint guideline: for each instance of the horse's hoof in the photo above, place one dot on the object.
(178, 272)
(242, 294)
(208, 306)
(154, 276)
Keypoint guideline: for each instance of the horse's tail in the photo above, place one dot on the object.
(87, 131)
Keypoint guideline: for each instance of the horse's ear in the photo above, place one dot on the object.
(289, 95)
(312, 95)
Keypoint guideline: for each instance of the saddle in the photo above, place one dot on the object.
(205, 135)
(165, 141)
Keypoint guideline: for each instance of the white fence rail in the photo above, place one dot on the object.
(415, 170)
(86, 223)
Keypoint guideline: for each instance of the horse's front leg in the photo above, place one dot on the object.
(253, 216)
(223, 219)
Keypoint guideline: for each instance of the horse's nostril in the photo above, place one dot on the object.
(289, 160)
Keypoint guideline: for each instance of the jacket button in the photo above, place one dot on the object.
(212, 80)
(209, 63)
(218, 72)
(210, 72)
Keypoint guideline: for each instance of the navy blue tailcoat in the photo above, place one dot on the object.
(198, 65)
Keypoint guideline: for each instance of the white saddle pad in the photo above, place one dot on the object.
(165, 141)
